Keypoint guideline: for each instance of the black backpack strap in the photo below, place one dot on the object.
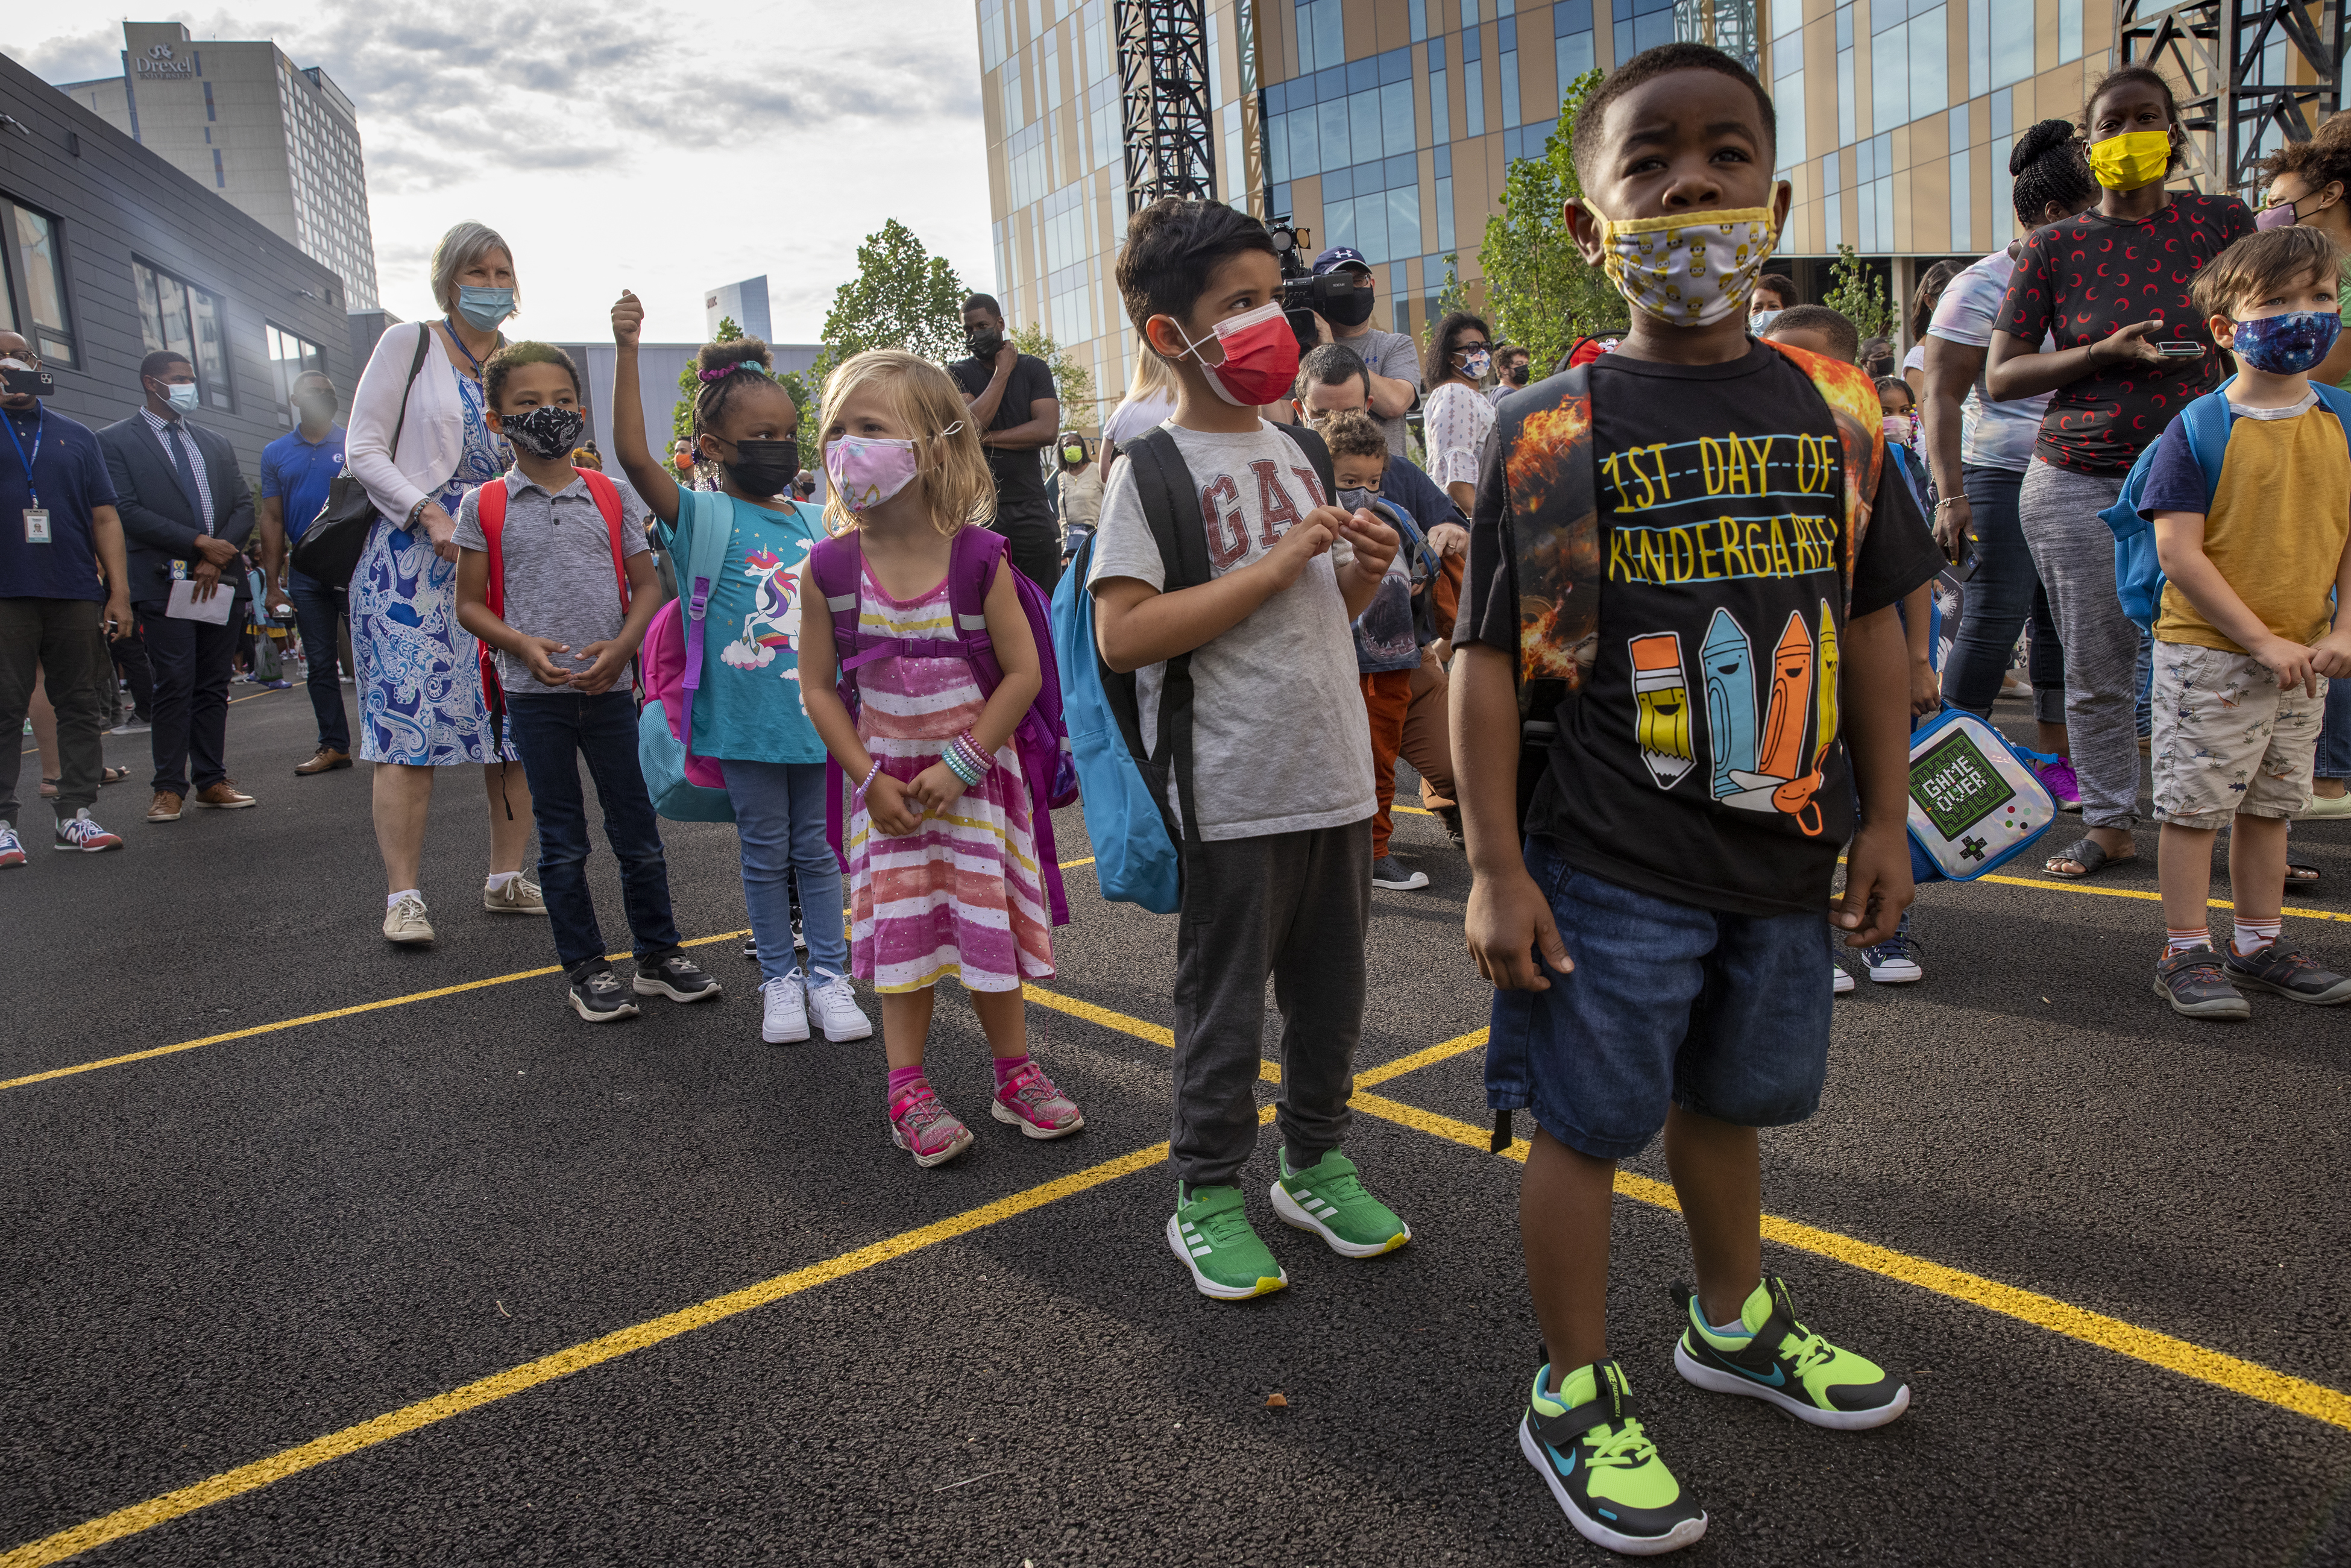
(1171, 508)
(1310, 441)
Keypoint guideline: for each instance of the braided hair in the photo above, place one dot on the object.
(723, 368)
(2049, 166)
(2321, 161)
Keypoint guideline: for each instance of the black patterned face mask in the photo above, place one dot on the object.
(548, 431)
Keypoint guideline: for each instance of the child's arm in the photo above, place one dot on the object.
(474, 615)
(885, 797)
(2332, 652)
(1509, 917)
(1876, 700)
(937, 787)
(652, 481)
(612, 657)
(1136, 624)
(2179, 545)
(1918, 626)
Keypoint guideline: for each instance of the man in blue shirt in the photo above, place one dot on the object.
(58, 527)
(295, 470)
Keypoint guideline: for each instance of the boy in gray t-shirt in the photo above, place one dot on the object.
(1280, 881)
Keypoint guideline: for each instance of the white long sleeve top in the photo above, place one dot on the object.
(431, 441)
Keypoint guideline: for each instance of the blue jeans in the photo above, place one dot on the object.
(551, 733)
(2003, 593)
(2334, 739)
(1668, 1004)
(317, 611)
(779, 817)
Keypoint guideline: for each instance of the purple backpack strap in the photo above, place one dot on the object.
(971, 572)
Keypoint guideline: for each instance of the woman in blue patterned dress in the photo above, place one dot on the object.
(421, 706)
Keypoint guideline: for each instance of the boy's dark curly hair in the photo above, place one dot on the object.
(742, 360)
(526, 352)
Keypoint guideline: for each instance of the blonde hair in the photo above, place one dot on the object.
(952, 469)
(460, 248)
(1154, 378)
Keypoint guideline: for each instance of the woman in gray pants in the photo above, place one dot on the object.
(2131, 351)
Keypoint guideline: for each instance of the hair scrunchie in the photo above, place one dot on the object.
(720, 375)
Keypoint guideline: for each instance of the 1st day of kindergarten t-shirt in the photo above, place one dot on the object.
(1280, 743)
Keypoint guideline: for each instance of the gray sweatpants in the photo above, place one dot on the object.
(2075, 552)
(1295, 906)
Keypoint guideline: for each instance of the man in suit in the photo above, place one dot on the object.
(187, 512)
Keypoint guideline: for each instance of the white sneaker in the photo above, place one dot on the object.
(1844, 981)
(834, 1003)
(785, 1020)
(405, 923)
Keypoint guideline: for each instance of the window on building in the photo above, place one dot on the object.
(1645, 24)
(1788, 105)
(290, 355)
(2011, 41)
(186, 321)
(1962, 204)
(1848, 96)
(2069, 31)
(1322, 35)
(1507, 28)
(1571, 26)
(33, 284)
(1419, 13)
(1444, 199)
(1473, 79)
(1440, 119)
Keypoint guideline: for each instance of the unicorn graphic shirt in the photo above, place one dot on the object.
(750, 707)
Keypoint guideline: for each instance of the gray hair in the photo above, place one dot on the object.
(460, 248)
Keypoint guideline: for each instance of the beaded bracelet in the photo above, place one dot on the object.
(969, 747)
(953, 756)
(867, 782)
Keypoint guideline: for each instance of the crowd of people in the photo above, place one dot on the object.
(1653, 632)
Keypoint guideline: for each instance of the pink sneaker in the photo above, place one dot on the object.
(926, 1129)
(2059, 777)
(1033, 1103)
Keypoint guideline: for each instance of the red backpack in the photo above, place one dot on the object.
(490, 511)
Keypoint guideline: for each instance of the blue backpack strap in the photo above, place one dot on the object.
(2205, 422)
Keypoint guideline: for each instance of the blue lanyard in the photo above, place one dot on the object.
(451, 321)
(39, 424)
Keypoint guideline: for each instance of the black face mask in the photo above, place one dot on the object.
(1353, 309)
(762, 468)
(547, 431)
(1518, 374)
(984, 342)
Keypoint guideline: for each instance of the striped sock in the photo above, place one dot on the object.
(2176, 942)
(2252, 936)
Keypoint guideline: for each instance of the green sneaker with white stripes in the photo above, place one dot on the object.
(1328, 1198)
(1211, 1233)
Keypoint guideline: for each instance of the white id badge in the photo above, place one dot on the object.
(36, 526)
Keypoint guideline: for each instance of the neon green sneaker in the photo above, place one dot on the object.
(1602, 1466)
(1781, 1362)
(1211, 1232)
(1328, 1198)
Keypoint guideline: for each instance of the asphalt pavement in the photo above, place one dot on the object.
(403, 1263)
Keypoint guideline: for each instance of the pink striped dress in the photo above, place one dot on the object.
(960, 897)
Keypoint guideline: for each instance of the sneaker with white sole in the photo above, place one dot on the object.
(1386, 874)
(12, 848)
(78, 832)
(1211, 1233)
(1587, 1443)
(597, 996)
(1895, 961)
(832, 1005)
(1843, 980)
(924, 1128)
(676, 977)
(520, 895)
(1036, 1105)
(784, 1017)
(1328, 1198)
(406, 924)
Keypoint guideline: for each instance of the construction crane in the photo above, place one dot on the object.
(2249, 73)
(1163, 69)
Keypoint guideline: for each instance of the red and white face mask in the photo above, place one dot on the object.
(1261, 359)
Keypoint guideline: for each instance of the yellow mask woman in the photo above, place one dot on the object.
(2134, 159)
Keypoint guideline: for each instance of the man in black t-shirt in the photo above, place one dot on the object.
(1012, 402)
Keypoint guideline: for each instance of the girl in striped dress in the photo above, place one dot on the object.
(940, 839)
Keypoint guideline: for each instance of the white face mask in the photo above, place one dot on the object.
(1691, 270)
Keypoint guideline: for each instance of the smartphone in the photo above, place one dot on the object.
(2180, 349)
(31, 383)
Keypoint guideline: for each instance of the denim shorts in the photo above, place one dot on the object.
(1726, 1015)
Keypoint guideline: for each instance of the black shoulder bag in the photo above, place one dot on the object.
(330, 548)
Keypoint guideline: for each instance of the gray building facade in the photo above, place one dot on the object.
(111, 252)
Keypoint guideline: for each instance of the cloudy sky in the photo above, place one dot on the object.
(664, 146)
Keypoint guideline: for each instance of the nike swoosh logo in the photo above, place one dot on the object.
(1564, 1462)
(1777, 1379)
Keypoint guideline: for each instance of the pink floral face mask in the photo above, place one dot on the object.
(867, 470)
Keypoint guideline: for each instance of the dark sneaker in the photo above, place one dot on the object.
(1451, 817)
(2196, 987)
(1895, 961)
(1386, 874)
(597, 996)
(676, 978)
(1783, 1362)
(1600, 1464)
(2287, 973)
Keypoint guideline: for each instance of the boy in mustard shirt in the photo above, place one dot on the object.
(2243, 646)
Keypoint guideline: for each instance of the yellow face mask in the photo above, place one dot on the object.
(1692, 268)
(2135, 158)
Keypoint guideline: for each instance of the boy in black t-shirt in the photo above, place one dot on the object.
(1687, 552)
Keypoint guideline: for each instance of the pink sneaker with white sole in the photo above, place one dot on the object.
(924, 1128)
(1036, 1105)
(2059, 777)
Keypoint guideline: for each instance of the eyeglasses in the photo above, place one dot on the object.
(30, 359)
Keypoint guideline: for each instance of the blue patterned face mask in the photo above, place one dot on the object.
(2288, 344)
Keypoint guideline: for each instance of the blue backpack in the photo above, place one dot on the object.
(683, 788)
(2139, 570)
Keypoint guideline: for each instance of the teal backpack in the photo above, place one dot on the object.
(683, 788)
(2138, 571)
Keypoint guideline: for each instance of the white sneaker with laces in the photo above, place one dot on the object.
(77, 833)
(784, 1020)
(406, 924)
(12, 848)
(833, 1003)
(1845, 981)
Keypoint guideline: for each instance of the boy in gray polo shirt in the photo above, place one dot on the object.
(555, 576)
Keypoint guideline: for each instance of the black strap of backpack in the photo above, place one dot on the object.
(1171, 508)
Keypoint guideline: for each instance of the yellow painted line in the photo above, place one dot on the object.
(322, 1018)
(1442, 1051)
(2293, 911)
(2250, 1379)
(1068, 864)
(1413, 811)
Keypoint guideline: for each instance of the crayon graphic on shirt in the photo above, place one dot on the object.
(1730, 701)
(1826, 732)
(1661, 694)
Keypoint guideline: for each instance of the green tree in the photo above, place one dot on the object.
(804, 395)
(1541, 291)
(1073, 384)
(1859, 296)
(902, 297)
(689, 382)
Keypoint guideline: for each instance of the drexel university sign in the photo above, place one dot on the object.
(159, 61)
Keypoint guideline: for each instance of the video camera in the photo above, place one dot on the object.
(1304, 296)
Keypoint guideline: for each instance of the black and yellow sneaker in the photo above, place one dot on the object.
(1779, 1360)
(1602, 1466)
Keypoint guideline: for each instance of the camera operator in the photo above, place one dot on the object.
(1393, 358)
(1013, 402)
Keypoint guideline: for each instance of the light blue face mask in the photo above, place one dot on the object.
(1760, 321)
(182, 396)
(485, 308)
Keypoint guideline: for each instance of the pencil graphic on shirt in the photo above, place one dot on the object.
(1730, 701)
(1661, 697)
(1827, 731)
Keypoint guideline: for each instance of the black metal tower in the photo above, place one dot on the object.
(1162, 68)
(2237, 84)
